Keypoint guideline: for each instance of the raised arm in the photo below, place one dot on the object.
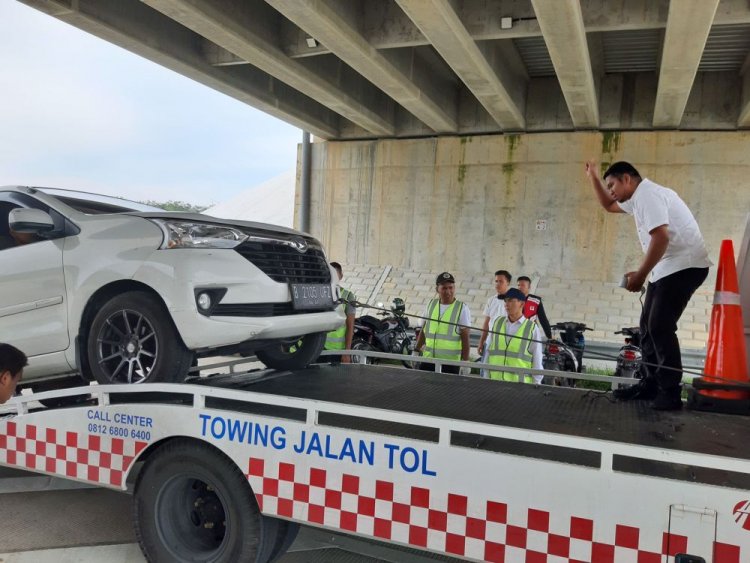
(602, 195)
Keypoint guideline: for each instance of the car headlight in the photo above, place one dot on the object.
(186, 234)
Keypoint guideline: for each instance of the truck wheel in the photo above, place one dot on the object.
(132, 340)
(286, 534)
(192, 503)
(293, 353)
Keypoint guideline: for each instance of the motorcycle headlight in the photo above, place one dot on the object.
(186, 234)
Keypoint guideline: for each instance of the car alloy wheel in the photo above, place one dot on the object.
(127, 347)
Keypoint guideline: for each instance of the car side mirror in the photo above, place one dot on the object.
(34, 221)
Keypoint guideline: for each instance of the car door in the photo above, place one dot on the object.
(33, 302)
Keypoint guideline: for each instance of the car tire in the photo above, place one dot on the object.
(192, 503)
(132, 339)
(293, 353)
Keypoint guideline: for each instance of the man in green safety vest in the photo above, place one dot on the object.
(445, 335)
(514, 341)
(341, 338)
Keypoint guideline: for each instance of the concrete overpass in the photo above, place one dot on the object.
(453, 131)
(363, 69)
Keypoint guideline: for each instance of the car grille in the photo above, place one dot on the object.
(284, 264)
(260, 310)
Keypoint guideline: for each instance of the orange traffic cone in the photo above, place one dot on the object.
(725, 372)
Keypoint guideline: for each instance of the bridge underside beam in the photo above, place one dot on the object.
(499, 89)
(400, 75)
(358, 69)
(561, 22)
(243, 29)
(146, 32)
(688, 26)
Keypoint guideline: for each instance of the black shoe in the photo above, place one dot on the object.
(644, 390)
(670, 402)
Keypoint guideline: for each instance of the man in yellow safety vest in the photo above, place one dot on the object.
(446, 331)
(515, 341)
(341, 338)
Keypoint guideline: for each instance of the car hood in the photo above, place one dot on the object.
(200, 217)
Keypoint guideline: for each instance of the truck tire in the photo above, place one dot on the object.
(293, 353)
(285, 536)
(192, 503)
(132, 339)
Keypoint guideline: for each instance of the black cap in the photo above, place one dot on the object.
(445, 277)
(514, 293)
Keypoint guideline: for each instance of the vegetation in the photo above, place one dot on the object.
(175, 205)
(596, 385)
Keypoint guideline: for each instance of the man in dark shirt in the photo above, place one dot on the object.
(12, 362)
(534, 309)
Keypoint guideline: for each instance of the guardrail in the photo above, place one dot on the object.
(476, 365)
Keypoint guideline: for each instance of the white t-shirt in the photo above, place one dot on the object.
(494, 307)
(464, 318)
(653, 205)
(537, 352)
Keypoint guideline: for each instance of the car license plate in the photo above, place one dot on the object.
(311, 296)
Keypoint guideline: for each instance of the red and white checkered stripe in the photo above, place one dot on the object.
(478, 529)
(99, 459)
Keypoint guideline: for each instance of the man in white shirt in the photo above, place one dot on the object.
(676, 258)
(495, 306)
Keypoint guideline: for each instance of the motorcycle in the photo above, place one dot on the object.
(390, 335)
(564, 352)
(629, 357)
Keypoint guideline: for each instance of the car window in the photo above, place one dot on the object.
(96, 204)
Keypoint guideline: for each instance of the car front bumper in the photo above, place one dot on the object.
(177, 274)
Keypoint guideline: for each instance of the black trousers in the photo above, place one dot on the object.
(666, 300)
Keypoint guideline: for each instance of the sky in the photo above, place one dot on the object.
(77, 112)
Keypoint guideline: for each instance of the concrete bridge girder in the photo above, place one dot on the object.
(688, 26)
(357, 69)
(235, 28)
(333, 24)
(137, 28)
(502, 98)
(561, 22)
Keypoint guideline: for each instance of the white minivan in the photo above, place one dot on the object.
(122, 292)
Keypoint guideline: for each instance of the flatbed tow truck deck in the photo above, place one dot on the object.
(459, 466)
(558, 410)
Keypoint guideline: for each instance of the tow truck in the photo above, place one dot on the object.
(227, 467)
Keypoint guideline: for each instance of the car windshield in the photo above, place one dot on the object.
(96, 204)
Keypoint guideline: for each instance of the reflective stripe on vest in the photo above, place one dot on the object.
(336, 339)
(442, 336)
(513, 351)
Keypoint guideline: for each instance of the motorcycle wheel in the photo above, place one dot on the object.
(406, 350)
(365, 347)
